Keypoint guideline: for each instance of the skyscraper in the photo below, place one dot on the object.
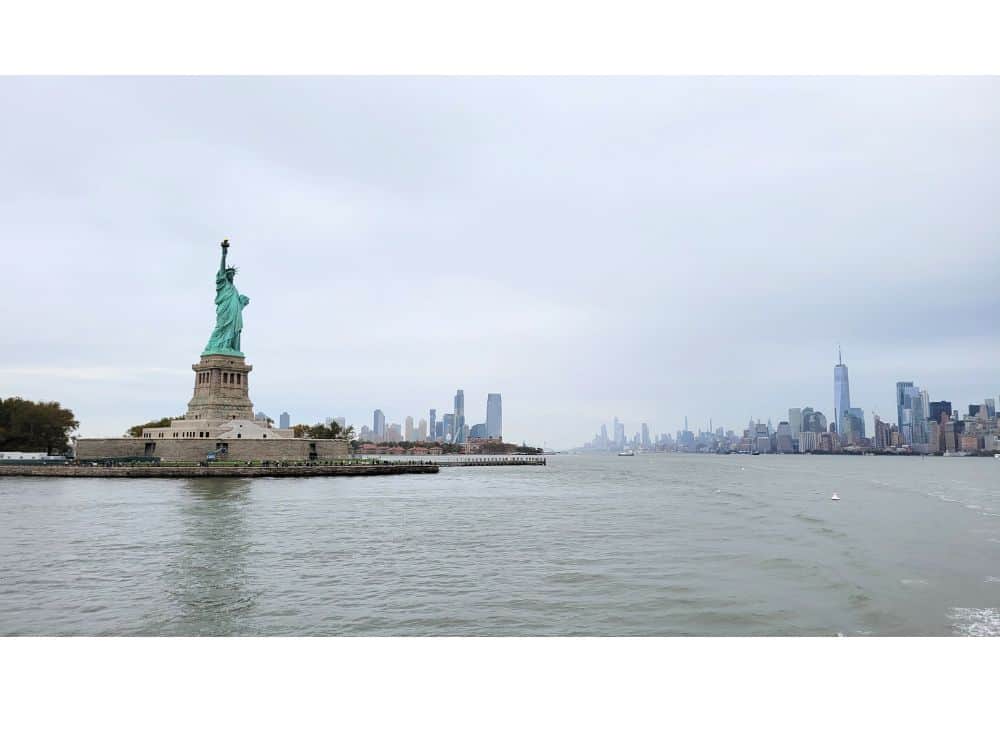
(854, 426)
(911, 412)
(378, 424)
(432, 424)
(813, 421)
(841, 392)
(920, 407)
(939, 409)
(494, 416)
(459, 416)
(645, 436)
(882, 435)
(422, 430)
(795, 421)
(902, 387)
(284, 420)
(408, 429)
(448, 427)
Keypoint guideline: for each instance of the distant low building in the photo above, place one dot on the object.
(935, 437)
(21, 456)
(807, 442)
(783, 438)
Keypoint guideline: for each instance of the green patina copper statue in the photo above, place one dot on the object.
(229, 304)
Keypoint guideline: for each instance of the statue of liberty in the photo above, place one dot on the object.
(229, 304)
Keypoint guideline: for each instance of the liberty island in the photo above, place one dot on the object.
(219, 426)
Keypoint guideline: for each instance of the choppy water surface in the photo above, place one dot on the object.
(650, 545)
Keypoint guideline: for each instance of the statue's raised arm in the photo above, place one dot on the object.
(225, 252)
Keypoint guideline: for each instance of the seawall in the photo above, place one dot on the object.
(188, 472)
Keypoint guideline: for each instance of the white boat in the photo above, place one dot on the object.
(835, 496)
(627, 452)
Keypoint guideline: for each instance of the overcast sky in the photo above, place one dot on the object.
(589, 247)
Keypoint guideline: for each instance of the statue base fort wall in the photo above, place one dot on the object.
(195, 449)
(219, 420)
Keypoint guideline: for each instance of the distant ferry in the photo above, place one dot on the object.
(627, 452)
(950, 454)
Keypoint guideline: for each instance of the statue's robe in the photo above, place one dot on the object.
(229, 304)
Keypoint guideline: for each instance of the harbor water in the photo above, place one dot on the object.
(655, 544)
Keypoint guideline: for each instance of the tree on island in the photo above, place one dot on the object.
(35, 427)
(322, 432)
(136, 430)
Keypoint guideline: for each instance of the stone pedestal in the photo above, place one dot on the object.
(221, 389)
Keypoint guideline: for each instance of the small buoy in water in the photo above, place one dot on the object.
(835, 496)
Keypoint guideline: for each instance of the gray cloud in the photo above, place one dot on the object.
(646, 247)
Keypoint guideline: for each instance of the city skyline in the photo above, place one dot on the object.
(640, 248)
(452, 427)
(920, 426)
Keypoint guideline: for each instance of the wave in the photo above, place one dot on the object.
(975, 621)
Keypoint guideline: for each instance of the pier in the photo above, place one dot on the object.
(456, 459)
(493, 461)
